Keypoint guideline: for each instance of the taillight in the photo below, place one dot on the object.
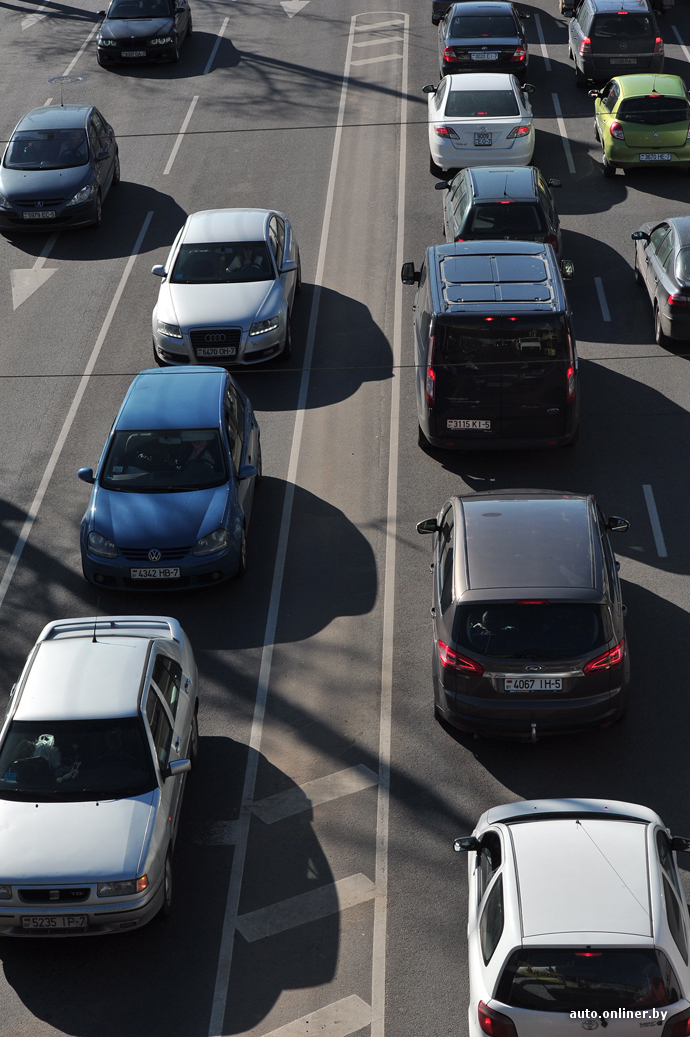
(659, 46)
(552, 239)
(607, 661)
(494, 1023)
(677, 1025)
(520, 54)
(687, 135)
(430, 373)
(459, 239)
(571, 383)
(678, 300)
(445, 131)
(451, 660)
(585, 46)
(519, 131)
(616, 130)
(450, 55)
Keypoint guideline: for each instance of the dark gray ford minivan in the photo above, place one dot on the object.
(494, 347)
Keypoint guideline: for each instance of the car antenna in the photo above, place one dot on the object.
(94, 640)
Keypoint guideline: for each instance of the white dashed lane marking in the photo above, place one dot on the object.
(654, 520)
(563, 133)
(599, 284)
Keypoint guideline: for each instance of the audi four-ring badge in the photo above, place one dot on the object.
(227, 290)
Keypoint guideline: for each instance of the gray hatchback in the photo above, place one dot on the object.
(528, 621)
(662, 265)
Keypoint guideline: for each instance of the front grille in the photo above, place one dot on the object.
(43, 896)
(216, 337)
(40, 203)
(141, 554)
(156, 585)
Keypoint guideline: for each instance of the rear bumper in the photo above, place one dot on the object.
(676, 326)
(456, 443)
(629, 158)
(445, 155)
(515, 68)
(605, 72)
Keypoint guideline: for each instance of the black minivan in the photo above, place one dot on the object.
(495, 352)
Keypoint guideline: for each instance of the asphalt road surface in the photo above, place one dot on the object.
(338, 906)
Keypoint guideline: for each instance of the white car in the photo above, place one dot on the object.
(479, 119)
(100, 732)
(227, 289)
(577, 919)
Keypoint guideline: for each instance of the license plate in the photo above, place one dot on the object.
(485, 55)
(42, 214)
(657, 156)
(54, 922)
(533, 684)
(217, 351)
(476, 423)
(482, 140)
(159, 573)
(623, 61)
(133, 53)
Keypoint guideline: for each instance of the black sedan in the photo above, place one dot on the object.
(483, 37)
(143, 30)
(58, 167)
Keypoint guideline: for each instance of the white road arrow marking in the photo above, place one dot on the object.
(293, 7)
(25, 282)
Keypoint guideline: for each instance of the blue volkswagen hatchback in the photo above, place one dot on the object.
(172, 493)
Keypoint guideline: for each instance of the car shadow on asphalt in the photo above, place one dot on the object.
(194, 55)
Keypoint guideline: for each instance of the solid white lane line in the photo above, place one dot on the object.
(180, 135)
(307, 907)
(69, 419)
(542, 43)
(654, 520)
(562, 131)
(216, 45)
(220, 992)
(378, 967)
(314, 793)
(602, 299)
(81, 50)
(379, 25)
(376, 43)
(680, 41)
(383, 57)
(25, 282)
(337, 1020)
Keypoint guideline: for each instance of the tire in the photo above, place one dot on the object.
(242, 564)
(298, 283)
(659, 337)
(607, 169)
(259, 467)
(580, 78)
(596, 132)
(286, 354)
(638, 276)
(166, 906)
(422, 441)
(116, 171)
(101, 63)
(176, 54)
(436, 170)
(193, 751)
(98, 218)
(189, 27)
(574, 438)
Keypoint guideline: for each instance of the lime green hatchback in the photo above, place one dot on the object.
(641, 121)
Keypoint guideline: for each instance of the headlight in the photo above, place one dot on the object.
(262, 326)
(161, 39)
(122, 889)
(4, 204)
(102, 42)
(83, 195)
(171, 330)
(212, 542)
(5, 892)
(100, 546)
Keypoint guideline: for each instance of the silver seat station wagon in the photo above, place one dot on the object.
(100, 732)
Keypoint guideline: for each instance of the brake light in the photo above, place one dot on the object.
(607, 661)
(451, 660)
(494, 1023)
(430, 387)
(533, 601)
(587, 954)
(445, 131)
(659, 46)
(552, 239)
(678, 300)
(616, 130)
(519, 131)
(449, 54)
(585, 46)
(687, 135)
(677, 1025)
(571, 383)
(459, 239)
(520, 54)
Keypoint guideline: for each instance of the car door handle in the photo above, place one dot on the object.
(177, 744)
(646, 259)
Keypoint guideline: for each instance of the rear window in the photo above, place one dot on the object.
(505, 219)
(502, 339)
(512, 631)
(683, 267)
(622, 26)
(654, 109)
(494, 26)
(475, 104)
(469, 342)
(566, 981)
(527, 339)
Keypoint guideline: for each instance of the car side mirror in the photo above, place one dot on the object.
(101, 14)
(179, 9)
(680, 844)
(525, 14)
(639, 235)
(567, 269)
(176, 767)
(408, 274)
(468, 843)
(435, 19)
(288, 266)
(247, 471)
(442, 185)
(102, 154)
(594, 93)
(528, 88)
(554, 183)
(616, 524)
(427, 526)
(86, 475)
(159, 270)
(429, 89)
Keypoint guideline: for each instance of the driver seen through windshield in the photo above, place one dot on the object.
(165, 460)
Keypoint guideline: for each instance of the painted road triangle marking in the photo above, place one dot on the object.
(307, 907)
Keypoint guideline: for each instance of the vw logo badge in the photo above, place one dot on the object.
(533, 669)
(154, 555)
(214, 338)
(591, 1024)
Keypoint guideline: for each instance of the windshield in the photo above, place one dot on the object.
(567, 981)
(514, 631)
(622, 26)
(471, 27)
(47, 149)
(76, 759)
(170, 460)
(505, 219)
(229, 262)
(491, 104)
(654, 110)
(140, 9)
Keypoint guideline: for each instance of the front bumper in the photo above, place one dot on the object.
(72, 216)
(114, 55)
(175, 351)
(106, 917)
(447, 156)
(194, 572)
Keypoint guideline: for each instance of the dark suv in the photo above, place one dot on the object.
(508, 202)
(608, 38)
(483, 37)
(528, 621)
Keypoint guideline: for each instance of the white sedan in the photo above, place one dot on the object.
(479, 119)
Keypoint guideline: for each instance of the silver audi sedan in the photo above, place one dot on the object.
(100, 732)
(227, 289)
